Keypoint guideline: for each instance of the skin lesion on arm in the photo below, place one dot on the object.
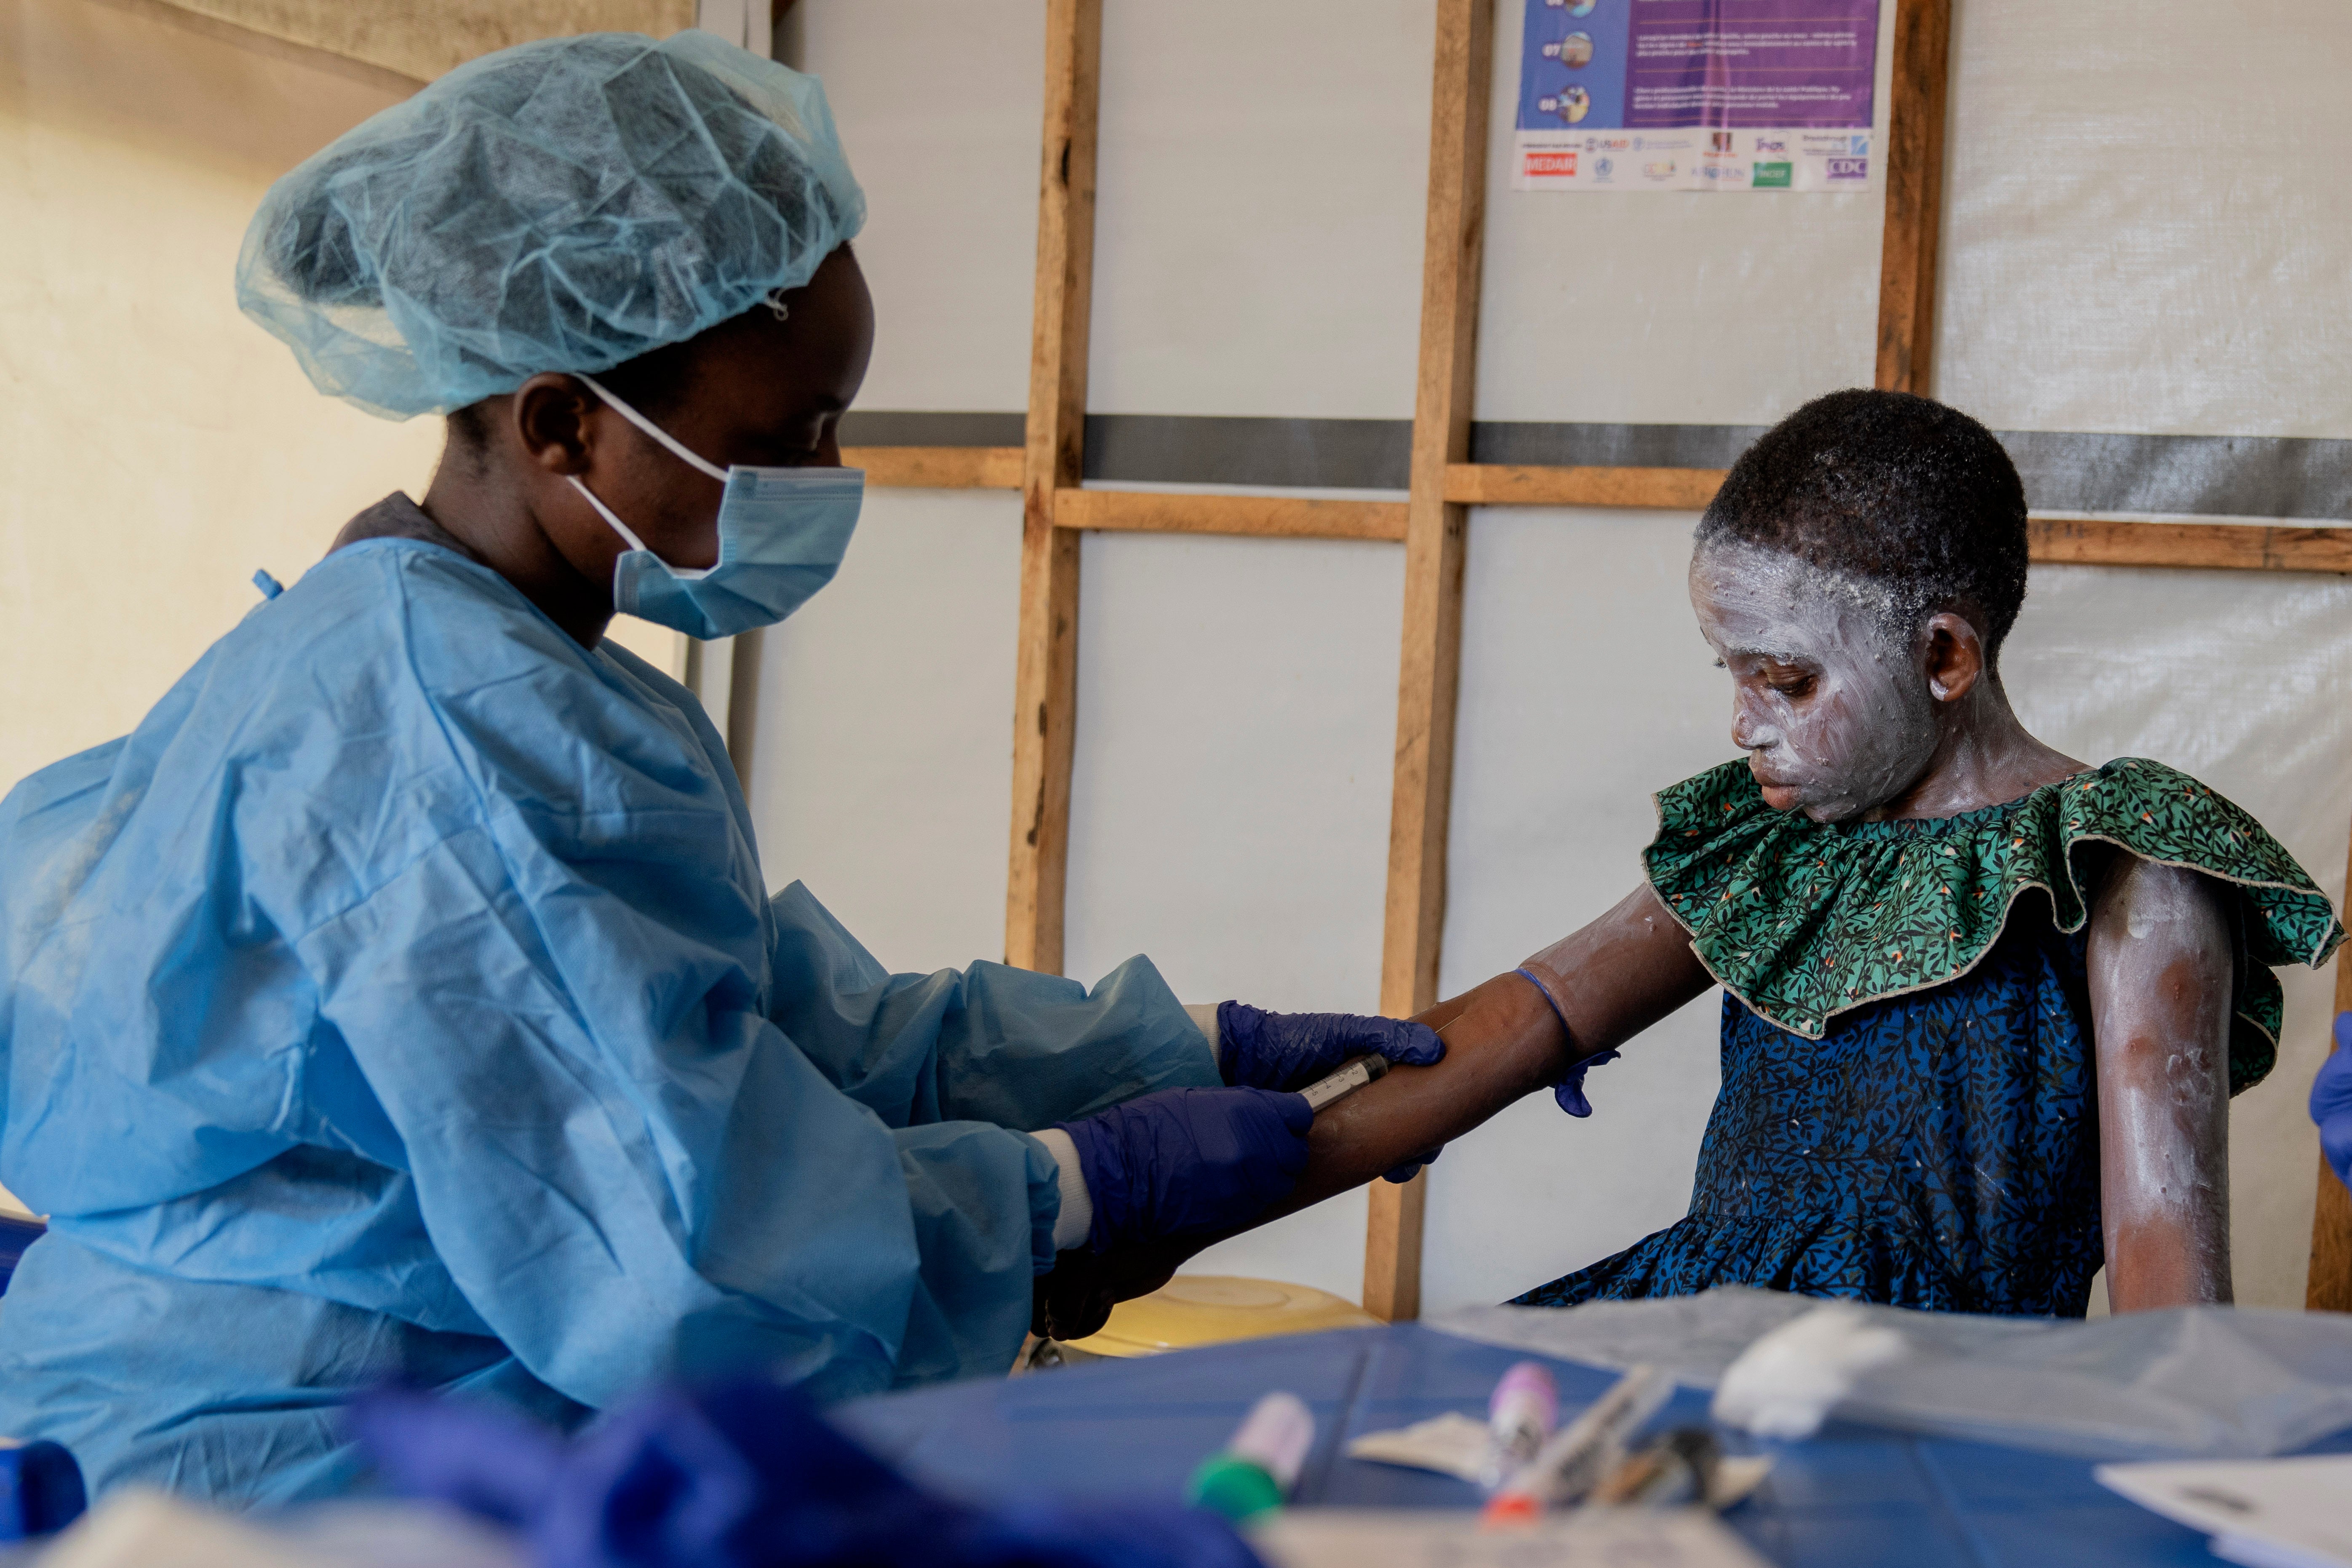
(2162, 963)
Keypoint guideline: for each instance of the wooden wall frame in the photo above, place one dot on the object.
(1432, 522)
(1045, 678)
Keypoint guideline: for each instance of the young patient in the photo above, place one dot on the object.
(1984, 1005)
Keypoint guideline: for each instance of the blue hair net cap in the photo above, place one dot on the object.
(561, 206)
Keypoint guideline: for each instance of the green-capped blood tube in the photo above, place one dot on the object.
(1254, 1472)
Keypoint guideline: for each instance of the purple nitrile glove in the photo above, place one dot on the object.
(1258, 1049)
(2331, 1102)
(1569, 1091)
(1187, 1160)
(1405, 1172)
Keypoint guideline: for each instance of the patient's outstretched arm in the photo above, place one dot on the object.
(1504, 1039)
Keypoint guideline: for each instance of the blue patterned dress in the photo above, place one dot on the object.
(1909, 1104)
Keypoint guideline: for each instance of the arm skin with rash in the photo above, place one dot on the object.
(2161, 966)
(1503, 1041)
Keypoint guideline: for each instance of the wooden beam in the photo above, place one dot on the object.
(2119, 541)
(1454, 241)
(2328, 1287)
(2054, 540)
(937, 467)
(1498, 484)
(1045, 673)
(1261, 517)
(1915, 195)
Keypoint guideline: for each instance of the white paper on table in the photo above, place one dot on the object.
(2269, 1513)
(1591, 1538)
(1451, 1445)
(137, 1527)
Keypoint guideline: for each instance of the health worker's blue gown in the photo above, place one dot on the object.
(403, 1000)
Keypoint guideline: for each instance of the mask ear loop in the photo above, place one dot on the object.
(684, 573)
(607, 513)
(677, 448)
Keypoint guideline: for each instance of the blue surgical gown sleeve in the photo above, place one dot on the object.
(989, 1043)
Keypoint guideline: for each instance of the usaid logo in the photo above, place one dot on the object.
(1849, 168)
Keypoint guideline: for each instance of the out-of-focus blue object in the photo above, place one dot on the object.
(40, 1490)
(560, 206)
(1569, 1092)
(1851, 1497)
(1189, 1160)
(2331, 1102)
(403, 1000)
(746, 1475)
(782, 534)
(1257, 1050)
(16, 1234)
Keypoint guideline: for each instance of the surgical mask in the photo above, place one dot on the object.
(782, 534)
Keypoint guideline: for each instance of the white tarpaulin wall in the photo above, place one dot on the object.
(2139, 237)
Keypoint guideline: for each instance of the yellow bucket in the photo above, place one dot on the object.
(1194, 1309)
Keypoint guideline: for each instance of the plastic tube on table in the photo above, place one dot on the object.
(1573, 1461)
(1254, 1472)
(1676, 1468)
(1521, 1413)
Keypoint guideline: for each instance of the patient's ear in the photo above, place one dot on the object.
(1952, 655)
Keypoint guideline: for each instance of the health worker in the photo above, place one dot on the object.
(403, 1000)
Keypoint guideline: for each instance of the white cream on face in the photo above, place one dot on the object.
(1832, 710)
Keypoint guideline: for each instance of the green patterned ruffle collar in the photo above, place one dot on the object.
(1803, 920)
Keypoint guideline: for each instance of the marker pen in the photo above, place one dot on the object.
(1254, 1472)
(1520, 1415)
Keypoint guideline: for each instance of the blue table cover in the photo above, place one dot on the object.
(1851, 1497)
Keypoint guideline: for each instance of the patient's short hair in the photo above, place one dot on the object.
(1899, 489)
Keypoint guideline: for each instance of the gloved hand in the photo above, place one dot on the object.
(1569, 1092)
(1257, 1050)
(2331, 1102)
(1405, 1172)
(1189, 1160)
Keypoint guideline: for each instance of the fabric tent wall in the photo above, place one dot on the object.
(1257, 253)
(421, 38)
(158, 446)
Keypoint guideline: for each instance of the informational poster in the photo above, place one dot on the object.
(1696, 95)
